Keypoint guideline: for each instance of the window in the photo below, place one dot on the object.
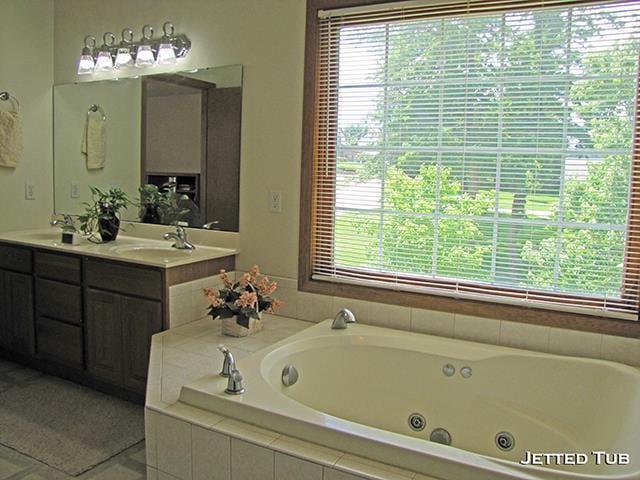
(479, 150)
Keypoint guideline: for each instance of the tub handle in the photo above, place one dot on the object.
(229, 362)
(234, 385)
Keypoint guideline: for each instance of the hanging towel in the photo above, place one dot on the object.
(10, 139)
(94, 141)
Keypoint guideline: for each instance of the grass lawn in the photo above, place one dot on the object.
(358, 247)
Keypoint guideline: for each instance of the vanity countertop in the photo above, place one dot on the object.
(142, 251)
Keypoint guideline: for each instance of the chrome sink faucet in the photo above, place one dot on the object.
(67, 223)
(343, 318)
(180, 236)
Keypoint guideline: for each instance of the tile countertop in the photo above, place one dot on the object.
(124, 248)
(183, 354)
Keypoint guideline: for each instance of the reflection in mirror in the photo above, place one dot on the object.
(170, 141)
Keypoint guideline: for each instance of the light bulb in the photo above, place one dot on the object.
(104, 62)
(86, 65)
(166, 55)
(124, 58)
(144, 56)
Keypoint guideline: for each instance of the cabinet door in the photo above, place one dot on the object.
(104, 336)
(17, 319)
(141, 319)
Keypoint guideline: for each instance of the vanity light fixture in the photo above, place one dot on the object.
(143, 54)
(86, 65)
(124, 57)
(104, 61)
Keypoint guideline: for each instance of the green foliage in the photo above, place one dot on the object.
(409, 232)
(484, 94)
(589, 260)
(105, 205)
(170, 205)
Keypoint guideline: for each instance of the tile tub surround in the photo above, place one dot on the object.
(312, 307)
(187, 443)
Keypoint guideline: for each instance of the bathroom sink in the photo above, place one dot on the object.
(153, 253)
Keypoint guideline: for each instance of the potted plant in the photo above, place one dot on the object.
(101, 214)
(151, 199)
(240, 304)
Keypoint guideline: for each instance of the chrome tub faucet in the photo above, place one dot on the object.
(343, 318)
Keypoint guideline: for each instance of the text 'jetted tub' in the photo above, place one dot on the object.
(399, 397)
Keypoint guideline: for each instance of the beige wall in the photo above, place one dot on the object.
(267, 37)
(26, 31)
(121, 103)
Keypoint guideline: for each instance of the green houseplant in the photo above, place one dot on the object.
(102, 213)
(151, 200)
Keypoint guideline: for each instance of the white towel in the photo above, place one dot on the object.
(94, 141)
(10, 139)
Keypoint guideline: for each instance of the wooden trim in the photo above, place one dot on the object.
(537, 316)
(498, 311)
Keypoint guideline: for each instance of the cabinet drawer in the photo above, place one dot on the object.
(59, 341)
(14, 258)
(117, 277)
(58, 267)
(59, 300)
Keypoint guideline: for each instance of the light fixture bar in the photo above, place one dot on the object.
(144, 53)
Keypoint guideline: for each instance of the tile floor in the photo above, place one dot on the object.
(127, 465)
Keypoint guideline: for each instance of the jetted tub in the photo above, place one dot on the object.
(359, 387)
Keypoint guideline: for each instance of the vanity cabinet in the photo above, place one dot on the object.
(119, 329)
(86, 318)
(16, 300)
(59, 311)
(16, 312)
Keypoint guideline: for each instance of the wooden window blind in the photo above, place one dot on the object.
(481, 149)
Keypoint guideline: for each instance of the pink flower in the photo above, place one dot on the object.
(254, 272)
(245, 280)
(247, 299)
(213, 298)
(225, 278)
(276, 304)
(266, 288)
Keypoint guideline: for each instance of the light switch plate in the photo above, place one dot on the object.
(29, 191)
(75, 190)
(275, 201)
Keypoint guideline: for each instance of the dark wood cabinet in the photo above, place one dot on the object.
(16, 312)
(119, 330)
(85, 318)
(104, 336)
(141, 319)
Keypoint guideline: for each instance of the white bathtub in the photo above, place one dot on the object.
(358, 387)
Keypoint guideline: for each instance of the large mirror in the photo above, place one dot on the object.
(171, 142)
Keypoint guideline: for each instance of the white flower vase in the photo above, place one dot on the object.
(231, 328)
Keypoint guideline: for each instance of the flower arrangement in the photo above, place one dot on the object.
(245, 299)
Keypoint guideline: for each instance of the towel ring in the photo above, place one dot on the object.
(96, 108)
(6, 96)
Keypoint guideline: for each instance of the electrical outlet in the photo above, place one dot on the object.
(275, 201)
(75, 190)
(29, 191)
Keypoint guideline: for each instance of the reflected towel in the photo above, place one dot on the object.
(94, 141)
(10, 139)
